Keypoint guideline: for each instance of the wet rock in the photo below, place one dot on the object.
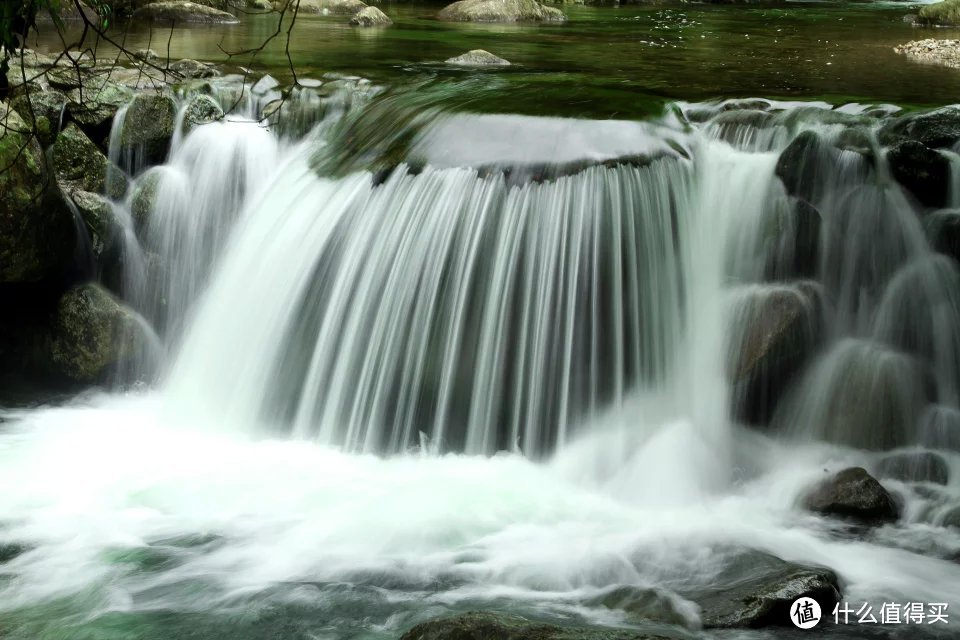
(775, 331)
(923, 466)
(92, 335)
(78, 162)
(855, 495)
(757, 589)
(144, 198)
(325, 7)
(940, 14)
(148, 127)
(201, 109)
(370, 17)
(146, 54)
(97, 215)
(791, 241)
(478, 58)
(11, 550)
(922, 171)
(803, 165)
(191, 69)
(498, 626)
(178, 12)
(943, 230)
(952, 518)
(36, 228)
(642, 604)
(936, 129)
(500, 11)
(44, 109)
(940, 428)
(94, 108)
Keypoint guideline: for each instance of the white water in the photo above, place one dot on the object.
(580, 321)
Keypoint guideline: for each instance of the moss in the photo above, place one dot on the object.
(78, 162)
(945, 13)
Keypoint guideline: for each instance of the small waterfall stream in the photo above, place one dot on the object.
(512, 362)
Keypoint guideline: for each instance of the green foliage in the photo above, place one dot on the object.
(945, 13)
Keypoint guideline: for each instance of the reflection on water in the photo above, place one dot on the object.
(610, 62)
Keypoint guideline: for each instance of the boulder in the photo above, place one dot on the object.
(478, 58)
(855, 495)
(499, 11)
(940, 428)
(325, 7)
(148, 128)
(189, 69)
(952, 518)
(44, 109)
(97, 215)
(370, 17)
(178, 12)
(940, 14)
(144, 198)
(756, 589)
(791, 239)
(775, 331)
(147, 55)
(936, 129)
(499, 626)
(202, 109)
(94, 107)
(804, 165)
(77, 162)
(923, 172)
(943, 230)
(645, 605)
(924, 466)
(36, 229)
(92, 334)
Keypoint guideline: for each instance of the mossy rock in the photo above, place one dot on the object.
(92, 335)
(44, 109)
(500, 11)
(201, 109)
(148, 128)
(36, 229)
(97, 215)
(77, 162)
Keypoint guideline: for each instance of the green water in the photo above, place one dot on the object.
(608, 62)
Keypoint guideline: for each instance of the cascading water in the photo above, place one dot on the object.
(594, 300)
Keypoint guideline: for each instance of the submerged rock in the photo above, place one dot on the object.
(78, 162)
(791, 239)
(176, 11)
(148, 127)
(756, 590)
(647, 605)
(370, 17)
(922, 171)
(500, 11)
(855, 495)
(36, 229)
(775, 331)
(92, 335)
(500, 626)
(943, 230)
(478, 58)
(924, 466)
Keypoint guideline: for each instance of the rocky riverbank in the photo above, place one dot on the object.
(933, 51)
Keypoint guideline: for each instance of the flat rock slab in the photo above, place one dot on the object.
(478, 58)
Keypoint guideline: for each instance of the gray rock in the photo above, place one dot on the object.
(756, 589)
(36, 228)
(148, 127)
(146, 54)
(643, 605)
(144, 198)
(370, 17)
(97, 215)
(201, 109)
(44, 109)
(775, 331)
(803, 165)
(855, 495)
(78, 162)
(937, 129)
(498, 626)
(93, 334)
(179, 12)
(952, 519)
(478, 58)
(791, 239)
(500, 11)
(325, 7)
(922, 171)
(922, 466)
(94, 107)
(190, 69)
